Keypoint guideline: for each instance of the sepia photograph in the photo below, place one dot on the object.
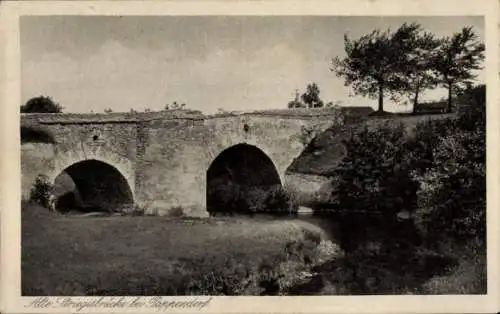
(209, 155)
(251, 155)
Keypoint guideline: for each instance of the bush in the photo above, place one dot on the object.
(420, 147)
(176, 211)
(453, 191)
(438, 174)
(374, 176)
(276, 201)
(41, 104)
(374, 183)
(452, 195)
(232, 198)
(42, 192)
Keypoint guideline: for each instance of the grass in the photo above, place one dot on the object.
(70, 255)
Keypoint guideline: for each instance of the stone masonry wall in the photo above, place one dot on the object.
(111, 143)
(165, 158)
(179, 152)
(171, 169)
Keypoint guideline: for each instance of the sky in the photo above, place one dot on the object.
(241, 63)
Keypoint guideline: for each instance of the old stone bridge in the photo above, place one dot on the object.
(163, 160)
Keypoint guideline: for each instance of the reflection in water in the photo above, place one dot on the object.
(368, 274)
(376, 265)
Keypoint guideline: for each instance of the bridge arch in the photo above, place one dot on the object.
(92, 185)
(240, 177)
(65, 158)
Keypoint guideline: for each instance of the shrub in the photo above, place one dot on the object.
(373, 176)
(176, 211)
(438, 174)
(278, 201)
(232, 198)
(41, 192)
(452, 195)
(374, 183)
(420, 147)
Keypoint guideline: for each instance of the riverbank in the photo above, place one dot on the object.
(262, 255)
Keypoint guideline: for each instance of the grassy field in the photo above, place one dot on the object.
(143, 255)
(71, 255)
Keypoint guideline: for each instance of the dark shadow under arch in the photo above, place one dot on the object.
(92, 185)
(242, 179)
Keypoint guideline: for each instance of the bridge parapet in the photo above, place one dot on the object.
(114, 117)
(301, 113)
(134, 117)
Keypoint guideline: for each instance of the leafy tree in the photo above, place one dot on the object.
(374, 62)
(109, 110)
(296, 103)
(41, 104)
(311, 96)
(456, 59)
(309, 99)
(417, 71)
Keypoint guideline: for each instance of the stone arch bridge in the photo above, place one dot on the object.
(160, 160)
